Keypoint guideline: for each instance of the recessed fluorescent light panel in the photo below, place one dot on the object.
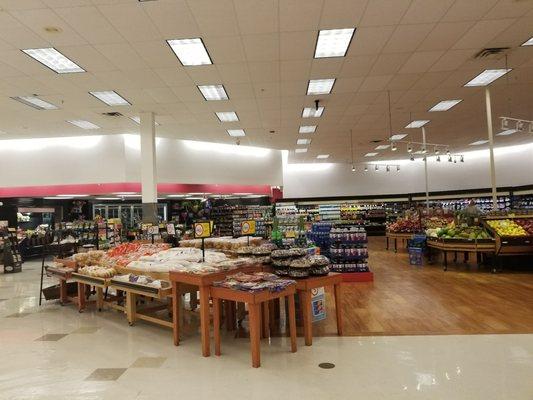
(487, 77)
(213, 92)
(333, 42)
(398, 136)
(320, 86)
(312, 112)
(479, 142)
(236, 132)
(371, 154)
(35, 102)
(107, 198)
(445, 105)
(137, 119)
(507, 132)
(382, 147)
(307, 129)
(303, 141)
(111, 98)
(528, 43)
(322, 156)
(80, 123)
(227, 116)
(54, 60)
(190, 51)
(419, 123)
(301, 150)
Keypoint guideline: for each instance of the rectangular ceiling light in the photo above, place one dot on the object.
(398, 136)
(333, 42)
(528, 43)
(383, 146)
(54, 60)
(320, 86)
(322, 156)
(213, 92)
(507, 132)
(371, 154)
(307, 129)
(487, 77)
(111, 98)
(35, 102)
(445, 105)
(312, 112)
(190, 51)
(227, 116)
(478, 142)
(236, 132)
(137, 120)
(419, 123)
(301, 150)
(80, 123)
(303, 141)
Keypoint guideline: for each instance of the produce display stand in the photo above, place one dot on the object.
(203, 282)
(84, 284)
(510, 245)
(133, 290)
(304, 287)
(466, 246)
(256, 302)
(404, 237)
(63, 275)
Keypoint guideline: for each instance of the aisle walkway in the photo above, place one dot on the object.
(408, 300)
(54, 352)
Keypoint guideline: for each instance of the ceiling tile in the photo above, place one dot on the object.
(445, 35)
(234, 72)
(130, 21)
(173, 19)
(297, 45)
(468, 10)
(375, 83)
(296, 15)
(421, 61)
(255, 16)
(384, 12)
(422, 11)
(407, 38)
(481, 33)
(335, 14)
(263, 47)
(215, 17)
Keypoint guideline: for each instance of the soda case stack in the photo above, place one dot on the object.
(320, 236)
(348, 249)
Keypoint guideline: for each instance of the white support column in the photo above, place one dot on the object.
(425, 165)
(148, 168)
(491, 150)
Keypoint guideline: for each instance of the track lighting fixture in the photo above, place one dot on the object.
(454, 160)
(412, 158)
(366, 168)
(353, 168)
(462, 159)
(437, 151)
(393, 147)
(423, 150)
(397, 168)
(438, 158)
(388, 168)
(448, 152)
(449, 158)
(409, 148)
(376, 167)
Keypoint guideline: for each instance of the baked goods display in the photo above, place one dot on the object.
(93, 257)
(97, 271)
(255, 282)
(142, 280)
(226, 243)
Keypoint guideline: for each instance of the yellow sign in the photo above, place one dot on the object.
(248, 227)
(202, 230)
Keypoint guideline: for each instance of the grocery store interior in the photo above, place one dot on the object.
(262, 198)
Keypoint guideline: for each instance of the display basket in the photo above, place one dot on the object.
(416, 256)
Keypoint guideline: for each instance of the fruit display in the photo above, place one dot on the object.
(437, 222)
(507, 227)
(405, 225)
(459, 232)
(526, 223)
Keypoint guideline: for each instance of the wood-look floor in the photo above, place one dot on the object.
(409, 300)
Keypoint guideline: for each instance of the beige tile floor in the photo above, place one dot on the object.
(54, 352)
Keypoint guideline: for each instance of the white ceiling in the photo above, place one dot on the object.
(262, 50)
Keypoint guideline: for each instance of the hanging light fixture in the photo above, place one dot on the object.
(366, 168)
(462, 159)
(437, 151)
(351, 149)
(388, 168)
(409, 148)
(423, 150)
(448, 151)
(376, 167)
(353, 168)
(393, 147)
(397, 168)
(412, 158)
(449, 158)
(454, 160)
(438, 158)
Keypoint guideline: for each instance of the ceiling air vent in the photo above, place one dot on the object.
(112, 114)
(376, 141)
(492, 52)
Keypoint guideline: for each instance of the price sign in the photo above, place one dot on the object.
(202, 230)
(171, 229)
(153, 230)
(248, 227)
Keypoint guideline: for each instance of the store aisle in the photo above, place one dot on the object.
(56, 353)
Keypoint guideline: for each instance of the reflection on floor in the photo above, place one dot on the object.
(54, 352)
(409, 300)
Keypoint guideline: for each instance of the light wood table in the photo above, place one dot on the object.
(63, 275)
(203, 282)
(465, 246)
(84, 284)
(256, 302)
(304, 288)
(395, 236)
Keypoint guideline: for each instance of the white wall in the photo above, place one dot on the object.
(514, 167)
(115, 159)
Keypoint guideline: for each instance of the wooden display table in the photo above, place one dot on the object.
(464, 246)
(395, 236)
(304, 288)
(133, 290)
(63, 275)
(256, 302)
(203, 282)
(84, 284)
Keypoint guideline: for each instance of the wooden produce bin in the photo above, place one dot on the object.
(404, 237)
(84, 284)
(511, 245)
(466, 246)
